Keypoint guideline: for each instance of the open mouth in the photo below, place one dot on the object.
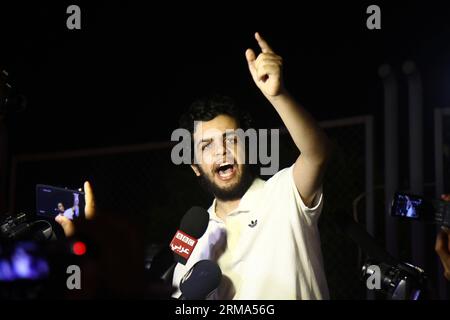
(226, 171)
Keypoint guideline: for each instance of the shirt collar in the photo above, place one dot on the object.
(246, 201)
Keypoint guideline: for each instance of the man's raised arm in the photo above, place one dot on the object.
(309, 168)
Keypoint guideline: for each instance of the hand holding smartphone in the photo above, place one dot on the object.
(421, 209)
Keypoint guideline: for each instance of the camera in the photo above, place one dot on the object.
(11, 226)
(402, 281)
(23, 226)
(32, 264)
(50, 202)
(418, 208)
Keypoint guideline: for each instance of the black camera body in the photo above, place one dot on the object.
(33, 262)
(418, 208)
(12, 225)
(400, 281)
(23, 227)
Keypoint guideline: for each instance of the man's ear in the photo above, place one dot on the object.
(195, 168)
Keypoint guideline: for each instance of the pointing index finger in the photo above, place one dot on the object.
(265, 48)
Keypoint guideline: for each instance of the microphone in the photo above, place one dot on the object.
(200, 281)
(364, 240)
(192, 227)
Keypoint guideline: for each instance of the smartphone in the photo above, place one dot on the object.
(419, 208)
(52, 201)
(409, 206)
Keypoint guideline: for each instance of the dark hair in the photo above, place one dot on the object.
(209, 107)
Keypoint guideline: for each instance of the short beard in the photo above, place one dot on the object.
(235, 193)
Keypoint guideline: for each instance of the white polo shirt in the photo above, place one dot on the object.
(268, 248)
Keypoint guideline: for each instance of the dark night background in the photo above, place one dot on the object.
(134, 67)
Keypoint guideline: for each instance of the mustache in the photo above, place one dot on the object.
(245, 179)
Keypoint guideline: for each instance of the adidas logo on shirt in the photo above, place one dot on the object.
(253, 223)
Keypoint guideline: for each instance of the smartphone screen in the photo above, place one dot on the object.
(52, 201)
(408, 206)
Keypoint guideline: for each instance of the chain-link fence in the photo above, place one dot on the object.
(144, 183)
(345, 180)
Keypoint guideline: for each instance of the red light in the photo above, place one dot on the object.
(79, 248)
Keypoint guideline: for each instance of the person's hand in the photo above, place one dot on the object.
(89, 211)
(443, 245)
(266, 69)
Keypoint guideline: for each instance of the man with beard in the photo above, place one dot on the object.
(263, 234)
